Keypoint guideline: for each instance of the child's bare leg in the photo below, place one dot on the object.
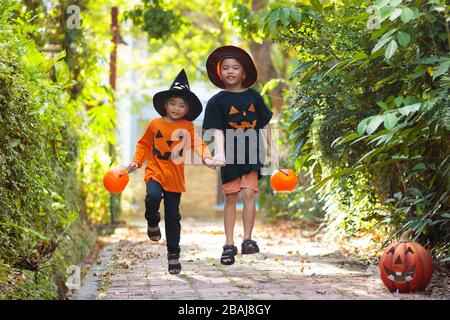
(249, 212)
(229, 217)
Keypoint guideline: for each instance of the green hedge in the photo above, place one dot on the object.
(40, 201)
(369, 121)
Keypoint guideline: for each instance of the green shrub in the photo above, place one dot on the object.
(369, 118)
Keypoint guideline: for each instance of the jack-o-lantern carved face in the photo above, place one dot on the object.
(405, 266)
(164, 146)
(402, 267)
(242, 120)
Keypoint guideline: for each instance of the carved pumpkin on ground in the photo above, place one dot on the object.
(283, 180)
(405, 266)
(242, 120)
(116, 179)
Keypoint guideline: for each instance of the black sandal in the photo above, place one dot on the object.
(228, 253)
(249, 246)
(153, 234)
(174, 268)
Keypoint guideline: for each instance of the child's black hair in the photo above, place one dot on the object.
(176, 95)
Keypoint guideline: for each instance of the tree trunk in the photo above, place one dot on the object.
(264, 64)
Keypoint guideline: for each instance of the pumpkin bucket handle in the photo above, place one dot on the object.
(286, 174)
(128, 171)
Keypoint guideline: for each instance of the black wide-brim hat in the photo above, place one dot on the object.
(216, 57)
(179, 88)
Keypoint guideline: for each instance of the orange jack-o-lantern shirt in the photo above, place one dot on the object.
(166, 145)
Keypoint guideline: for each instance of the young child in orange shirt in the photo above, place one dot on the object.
(162, 145)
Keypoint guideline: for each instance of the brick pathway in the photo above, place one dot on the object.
(130, 266)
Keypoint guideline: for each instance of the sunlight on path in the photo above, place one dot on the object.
(130, 266)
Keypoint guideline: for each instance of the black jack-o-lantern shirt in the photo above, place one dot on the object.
(235, 113)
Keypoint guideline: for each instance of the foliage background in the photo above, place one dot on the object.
(56, 120)
(359, 89)
(369, 119)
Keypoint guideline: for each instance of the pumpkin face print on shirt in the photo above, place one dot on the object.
(164, 147)
(242, 119)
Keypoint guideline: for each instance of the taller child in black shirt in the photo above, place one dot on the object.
(237, 113)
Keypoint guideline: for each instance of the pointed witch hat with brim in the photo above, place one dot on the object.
(179, 88)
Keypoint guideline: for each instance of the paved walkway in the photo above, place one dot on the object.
(130, 266)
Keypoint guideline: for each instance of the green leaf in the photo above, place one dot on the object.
(60, 56)
(383, 105)
(407, 110)
(403, 38)
(62, 72)
(419, 166)
(381, 43)
(407, 15)
(390, 120)
(300, 162)
(270, 85)
(345, 139)
(399, 101)
(72, 216)
(26, 230)
(387, 34)
(431, 60)
(317, 171)
(395, 14)
(391, 49)
(374, 123)
(284, 16)
(395, 3)
(296, 14)
(316, 5)
(386, 13)
(381, 3)
(443, 68)
(416, 192)
(398, 195)
(273, 19)
(274, 6)
(362, 126)
(358, 56)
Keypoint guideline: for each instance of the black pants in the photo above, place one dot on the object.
(172, 215)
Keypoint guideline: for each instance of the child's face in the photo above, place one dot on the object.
(231, 72)
(176, 108)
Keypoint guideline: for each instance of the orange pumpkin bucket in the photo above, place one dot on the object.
(116, 179)
(283, 180)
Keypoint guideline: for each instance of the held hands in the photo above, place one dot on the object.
(132, 167)
(209, 162)
(213, 163)
(219, 160)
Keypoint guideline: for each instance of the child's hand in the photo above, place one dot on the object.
(219, 160)
(132, 166)
(209, 162)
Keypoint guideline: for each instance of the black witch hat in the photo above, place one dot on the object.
(179, 88)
